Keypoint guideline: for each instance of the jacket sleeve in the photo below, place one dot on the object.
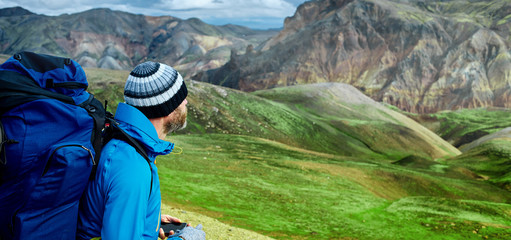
(126, 201)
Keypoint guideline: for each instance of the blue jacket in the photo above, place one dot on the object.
(119, 203)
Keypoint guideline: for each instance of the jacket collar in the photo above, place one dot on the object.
(136, 124)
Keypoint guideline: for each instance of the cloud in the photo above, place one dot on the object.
(210, 11)
(229, 8)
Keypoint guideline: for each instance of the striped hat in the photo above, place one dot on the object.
(155, 89)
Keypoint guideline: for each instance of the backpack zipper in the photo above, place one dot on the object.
(47, 167)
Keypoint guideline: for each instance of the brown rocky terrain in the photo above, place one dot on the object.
(104, 38)
(421, 56)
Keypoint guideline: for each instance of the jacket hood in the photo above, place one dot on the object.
(138, 126)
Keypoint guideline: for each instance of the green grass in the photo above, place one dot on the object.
(214, 109)
(357, 119)
(107, 85)
(290, 193)
(466, 125)
(491, 160)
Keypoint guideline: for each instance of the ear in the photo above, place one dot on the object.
(170, 117)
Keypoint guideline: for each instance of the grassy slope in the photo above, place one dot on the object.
(490, 159)
(478, 132)
(489, 156)
(287, 192)
(107, 85)
(464, 126)
(362, 129)
(343, 109)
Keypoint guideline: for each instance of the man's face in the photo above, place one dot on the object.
(177, 119)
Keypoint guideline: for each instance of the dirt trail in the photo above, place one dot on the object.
(214, 229)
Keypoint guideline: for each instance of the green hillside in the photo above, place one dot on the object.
(342, 109)
(107, 85)
(318, 162)
(482, 134)
(315, 118)
(490, 157)
(491, 160)
(466, 125)
(290, 193)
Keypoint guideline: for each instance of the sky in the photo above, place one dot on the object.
(257, 14)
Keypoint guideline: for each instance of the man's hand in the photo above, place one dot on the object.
(168, 219)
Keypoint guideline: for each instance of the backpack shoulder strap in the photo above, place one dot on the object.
(98, 113)
(116, 132)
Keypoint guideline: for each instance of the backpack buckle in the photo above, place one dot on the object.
(17, 56)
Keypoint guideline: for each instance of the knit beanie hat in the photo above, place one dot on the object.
(155, 89)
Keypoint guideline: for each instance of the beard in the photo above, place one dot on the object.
(177, 123)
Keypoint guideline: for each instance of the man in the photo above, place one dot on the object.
(124, 200)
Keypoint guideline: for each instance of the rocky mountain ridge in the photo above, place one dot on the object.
(421, 56)
(118, 40)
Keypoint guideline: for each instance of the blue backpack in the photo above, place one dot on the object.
(50, 133)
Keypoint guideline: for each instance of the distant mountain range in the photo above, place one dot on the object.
(421, 56)
(104, 38)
